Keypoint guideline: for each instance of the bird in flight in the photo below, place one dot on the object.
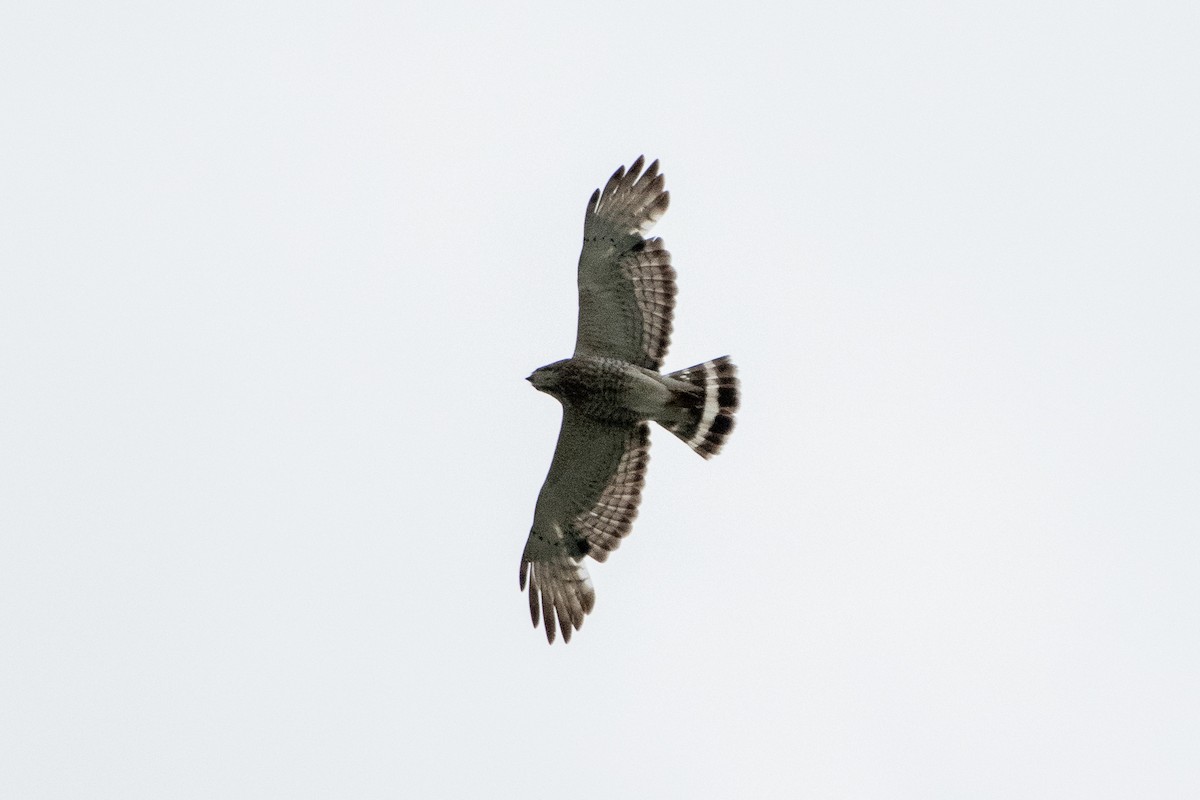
(609, 389)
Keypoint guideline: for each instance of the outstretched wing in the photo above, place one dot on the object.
(586, 505)
(626, 283)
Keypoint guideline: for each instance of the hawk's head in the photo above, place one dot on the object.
(547, 379)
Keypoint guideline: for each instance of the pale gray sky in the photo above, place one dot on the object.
(272, 275)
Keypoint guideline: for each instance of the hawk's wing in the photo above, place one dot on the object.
(626, 283)
(586, 505)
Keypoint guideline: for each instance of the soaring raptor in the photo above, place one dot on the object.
(609, 390)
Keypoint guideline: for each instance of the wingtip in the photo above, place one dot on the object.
(548, 615)
(535, 611)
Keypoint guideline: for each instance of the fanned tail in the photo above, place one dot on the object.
(707, 405)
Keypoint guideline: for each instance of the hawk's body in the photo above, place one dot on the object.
(609, 390)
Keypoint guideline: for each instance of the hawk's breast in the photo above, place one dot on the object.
(610, 390)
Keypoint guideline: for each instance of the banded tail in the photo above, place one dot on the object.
(707, 405)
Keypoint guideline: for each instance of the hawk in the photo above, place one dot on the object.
(609, 389)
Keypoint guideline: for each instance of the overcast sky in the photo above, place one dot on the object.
(272, 276)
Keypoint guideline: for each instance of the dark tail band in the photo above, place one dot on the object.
(708, 407)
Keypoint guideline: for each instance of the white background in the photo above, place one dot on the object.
(272, 275)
